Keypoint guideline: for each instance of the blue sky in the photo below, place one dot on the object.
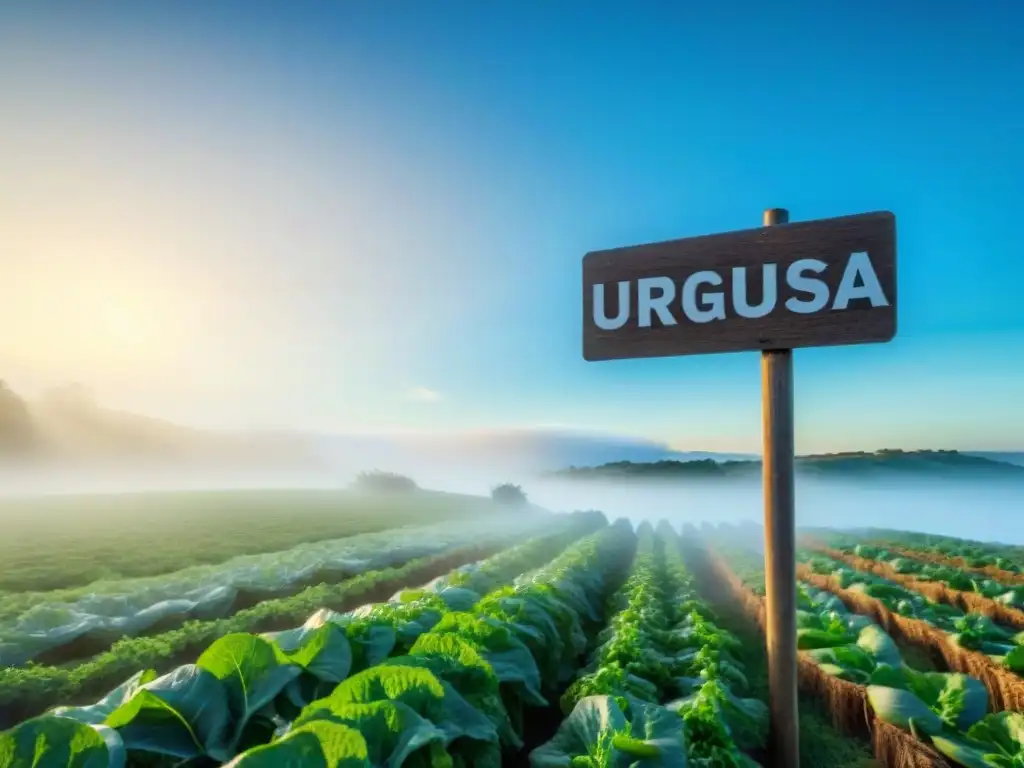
(342, 217)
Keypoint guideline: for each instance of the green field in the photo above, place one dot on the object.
(64, 541)
(556, 641)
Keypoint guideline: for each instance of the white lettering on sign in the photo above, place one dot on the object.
(647, 302)
(700, 303)
(799, 281)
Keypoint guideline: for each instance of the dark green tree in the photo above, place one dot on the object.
(377, 481)
(17, 431)
(508, 494)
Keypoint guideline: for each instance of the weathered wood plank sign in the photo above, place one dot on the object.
(782, 286)
(807, 284)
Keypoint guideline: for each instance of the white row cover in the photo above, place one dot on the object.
(129, 607)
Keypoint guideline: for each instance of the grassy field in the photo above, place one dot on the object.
(64, 541)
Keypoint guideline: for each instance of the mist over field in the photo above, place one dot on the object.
(979, 509)
(67, 443)
(968, 509)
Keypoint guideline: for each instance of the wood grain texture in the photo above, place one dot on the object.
(828, 240)
(780, 553)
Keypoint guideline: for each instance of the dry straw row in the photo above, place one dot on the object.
(846, 702)
(993, 572)
(969, 602)
(1005, 689)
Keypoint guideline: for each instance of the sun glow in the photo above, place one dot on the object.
(126, 327)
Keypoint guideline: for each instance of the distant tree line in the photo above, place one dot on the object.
(378, 481)
(18, 434)
(508, 494)
(853, 463)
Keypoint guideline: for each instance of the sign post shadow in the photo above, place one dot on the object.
(776, 288)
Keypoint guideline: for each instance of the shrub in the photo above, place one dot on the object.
(378, 481)
(510, 494)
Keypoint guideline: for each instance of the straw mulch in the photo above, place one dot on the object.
(1005, 689)
(969, 602)
(991, 571)
(846, 702)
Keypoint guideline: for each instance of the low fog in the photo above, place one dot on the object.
(968, 509)
(67, 443)
(976, 509)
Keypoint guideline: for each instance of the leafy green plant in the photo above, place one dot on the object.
(971, 630)
(660, 643)
(415, 677)
(997, 741)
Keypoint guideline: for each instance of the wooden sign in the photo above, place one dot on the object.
(807, 284)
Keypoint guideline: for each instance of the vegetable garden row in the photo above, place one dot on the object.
(453, 673)
(997, 560)
(588, 645)
(29, 690)
(849, 622)
(57, 627)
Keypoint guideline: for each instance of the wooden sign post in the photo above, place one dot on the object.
(779, 455)
(776, 288)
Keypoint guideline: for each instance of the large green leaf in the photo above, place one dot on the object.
(536, 627)
(589, 728)
(371, 643)
(423, 692)
(183, 714)
(322, 651)
(745, 719)
(874, 641)
(511, 660)
(808, 638)
(613, 680)
(851, 675)
(456, 662)
(899, 707)
(459, 598)
(967, 752)
(252, 670)
(957, 699)
(98, 712)
(417, 688)
(655, 740)
(1014, 660)
(964, 701)
(317, 744)
(391, 729)
(850, 657)
(60, 742)
(615, 732)
(890, 677)
(1004, 730)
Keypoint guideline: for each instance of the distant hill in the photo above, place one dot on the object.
(1008, 457)
(67, 430)
(878, 464)
(524, 453)
(66, 426)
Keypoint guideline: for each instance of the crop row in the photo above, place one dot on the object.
(56, 627)
(944, 583)
(1002, 645)
(59, 542)
(661, 683)
(857, 666)
(435, 676)
(991, 557)
(30, 690)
